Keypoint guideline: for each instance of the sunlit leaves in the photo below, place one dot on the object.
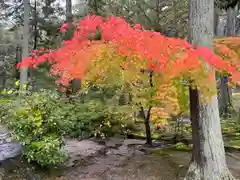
(108, 51)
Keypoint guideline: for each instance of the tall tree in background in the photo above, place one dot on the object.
(208, 158)
(232, 13)
(24, 71)
(76, 83)
(69, 16)
(230, 30)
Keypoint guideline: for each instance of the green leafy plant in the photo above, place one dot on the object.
(39, 120)
(35, 122)
(98, 113)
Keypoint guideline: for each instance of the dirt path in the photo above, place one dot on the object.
(123, 162)
(136, 167)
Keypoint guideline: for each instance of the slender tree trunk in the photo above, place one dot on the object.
(208, 160)
(3, 77)
(18, 54)
(225, 90)
(216, 21)
(174, 9)
(223, 97)
(76, 83)
(35, 43)
(147, 125)
(35, 26)
(18, 59)
(24, 70)
(147, 116)
(231, 21)
(96, 7)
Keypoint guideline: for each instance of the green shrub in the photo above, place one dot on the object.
(39, 120)
(97, 113)
(35, 122)
(96, 118)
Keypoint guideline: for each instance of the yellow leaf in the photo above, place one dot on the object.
(10, 91)
(4, 91)
(17, 83)
(24, 86)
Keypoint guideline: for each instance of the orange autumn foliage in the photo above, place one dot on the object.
(229, 49)
(123, 51)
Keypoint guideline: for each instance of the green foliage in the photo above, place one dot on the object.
(182, 147)
(36, 123)
(183, 96)
(97, 112)
(39, 120)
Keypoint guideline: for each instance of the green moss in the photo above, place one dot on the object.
(163, 152)
(183, 147)
(170, 150)
(234, 143)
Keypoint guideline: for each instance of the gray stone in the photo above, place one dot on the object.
(124, 151)
(114, 142)
(10, 150)
(5, 137)
(80, 150)
(3, 129)
(128, 142)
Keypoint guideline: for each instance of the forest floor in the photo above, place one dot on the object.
(127, 160)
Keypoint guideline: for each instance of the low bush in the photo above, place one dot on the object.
(98, 113)
(39, 120)
(35, 123)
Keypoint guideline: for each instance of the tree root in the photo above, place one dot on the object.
(195, 173)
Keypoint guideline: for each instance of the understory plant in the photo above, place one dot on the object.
(40, 120)
(36, 124)
(98, 112)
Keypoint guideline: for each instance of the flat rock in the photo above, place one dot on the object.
(125, 151)
(10, 150)
(3, 129)
(114, 142)
(128, 142)
(80, 150)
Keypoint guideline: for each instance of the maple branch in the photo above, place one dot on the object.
(151, 78)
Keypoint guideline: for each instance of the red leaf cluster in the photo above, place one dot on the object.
(171, 56)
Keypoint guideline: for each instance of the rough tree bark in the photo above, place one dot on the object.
(208, 158)
(24, 71)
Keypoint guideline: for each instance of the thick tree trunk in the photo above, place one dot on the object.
(148, 130)
(208, 158)
(24, 71)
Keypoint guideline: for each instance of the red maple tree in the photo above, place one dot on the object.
(173, 57)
